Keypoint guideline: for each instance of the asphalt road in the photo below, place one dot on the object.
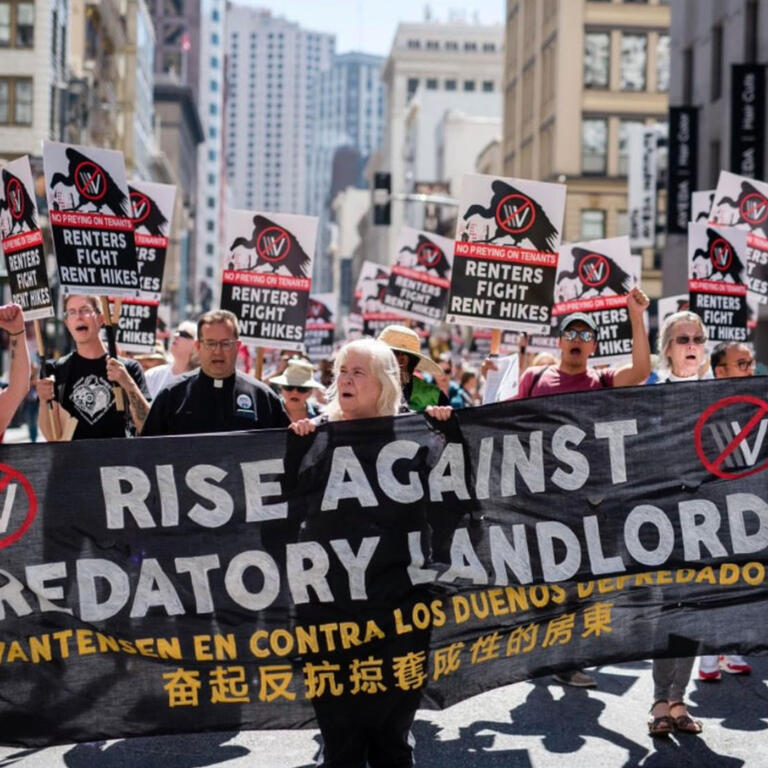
(539, 724)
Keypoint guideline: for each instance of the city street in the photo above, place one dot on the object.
(529, 725)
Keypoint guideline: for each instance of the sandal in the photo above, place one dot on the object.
(685, 723)
(660, 725)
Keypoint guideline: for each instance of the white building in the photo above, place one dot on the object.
(33, 56)
(272, 71)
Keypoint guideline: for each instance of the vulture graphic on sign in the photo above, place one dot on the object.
(18, 203)
(429, 257)
(751, 206)
(317, 311)
(517, 216)
(270, 248)
(720, 259)
(147, 214)
(596, 272)
(92, 185)
(373, 289)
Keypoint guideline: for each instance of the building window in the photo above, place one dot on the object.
(209, 249)
(488, 86)
(624, 131)
(622, 223)
(451, 45)
(211, 178)
(212, 155)
(210, 225)
(414, 43)
(662, 64)
(633, 60)
(717, 63)
(413, 84)
(450, 85)
(489, 47)
(17, 24)
(687, 75)
(214, 62)
(751, 27)
(470, 46)
(431, 83)
(592, 224)
(594, 145)
(469, 85)
(714, 163)
(15, 101)
(433, 45)
(597, 65)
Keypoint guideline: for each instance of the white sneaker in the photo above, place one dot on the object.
(735, 665)
(709, 669)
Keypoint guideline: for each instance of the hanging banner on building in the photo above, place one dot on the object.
(641, 186)
(91, 220)
(596, 277)
(152, 209)
(266, 276)
(244, 581)
(420, 276)
(22, 241)
(748, 120)
(505, 255)
(682, 174)
(743, 203)
(668, 305)
(322, 314)
(701, 205)
(716, 280)
(136, 327)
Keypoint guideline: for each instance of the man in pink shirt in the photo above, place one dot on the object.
(577, 343)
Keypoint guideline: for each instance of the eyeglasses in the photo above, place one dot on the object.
(183, 335)
(745, 365)
(81, 312)
(225, 344)
(447, 371)
(684, 340)
(292, 388)
(582, 335)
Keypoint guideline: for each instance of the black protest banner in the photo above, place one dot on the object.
(152, 211)
(748, 120)
(22, 241)
(716, 285)
(420, 276)
(90, 213)
(164, 585)
(266, 276)
(136, 326)
(682, 172)
(322, 313)
(595, 278)
(505, 255)
(743, 203)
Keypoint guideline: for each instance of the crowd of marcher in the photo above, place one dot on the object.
(199, 388)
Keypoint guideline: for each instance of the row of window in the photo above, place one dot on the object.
(633, 62)
(452, 45)
(594, 145)
(451, 84)
(15, 101)
(17, 24)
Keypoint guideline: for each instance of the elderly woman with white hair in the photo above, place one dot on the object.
(682, 357)
(373, 730)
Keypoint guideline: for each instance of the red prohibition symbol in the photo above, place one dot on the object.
(273, 244)
(15, 197)
(10, 475)
(721, 254)
(515, 214)
(714, 465)
(754, 208)
(429, 255)
(140, 207)
(90, 180)
(594, 270)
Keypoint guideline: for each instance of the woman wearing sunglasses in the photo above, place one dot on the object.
(682, 357)
(296, 385)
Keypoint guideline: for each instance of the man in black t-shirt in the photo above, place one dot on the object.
(216, 398)
(82, 381)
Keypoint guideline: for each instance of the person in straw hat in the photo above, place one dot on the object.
(296, 385)
(417, 393)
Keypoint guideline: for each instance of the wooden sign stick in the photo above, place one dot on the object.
(495, 342)
(259, 366)
(112, 347)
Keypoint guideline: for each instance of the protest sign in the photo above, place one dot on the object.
(682, 173)
(701, 205)
(136, 326)
(743, 203)
(505, 255)
(502, 384)
(718, 293)
(368, 314)
(641, 185)
(480, 344)
(22, 241)
(596, 277)
(322, 312)
(266, 276)
(90, 213)
(420, 276)
(247, 581)
(152, 211)
(668, 305)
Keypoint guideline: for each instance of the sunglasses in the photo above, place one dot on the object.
(292, 388)
(582, 335)
(184, 335)
(684, 340)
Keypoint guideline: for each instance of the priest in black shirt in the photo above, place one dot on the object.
(216, 398)
(82, 381)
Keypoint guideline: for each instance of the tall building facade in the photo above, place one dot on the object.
(708, 37)
(177, 44)
(578, 75)
(272, 70)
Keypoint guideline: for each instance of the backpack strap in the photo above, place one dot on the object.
(536, 377)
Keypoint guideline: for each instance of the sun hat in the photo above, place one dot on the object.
(298, 373)
(400, 338)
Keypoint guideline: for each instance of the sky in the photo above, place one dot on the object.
(369, 25)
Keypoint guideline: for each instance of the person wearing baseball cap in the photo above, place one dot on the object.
(577, 343)
(417, 393)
